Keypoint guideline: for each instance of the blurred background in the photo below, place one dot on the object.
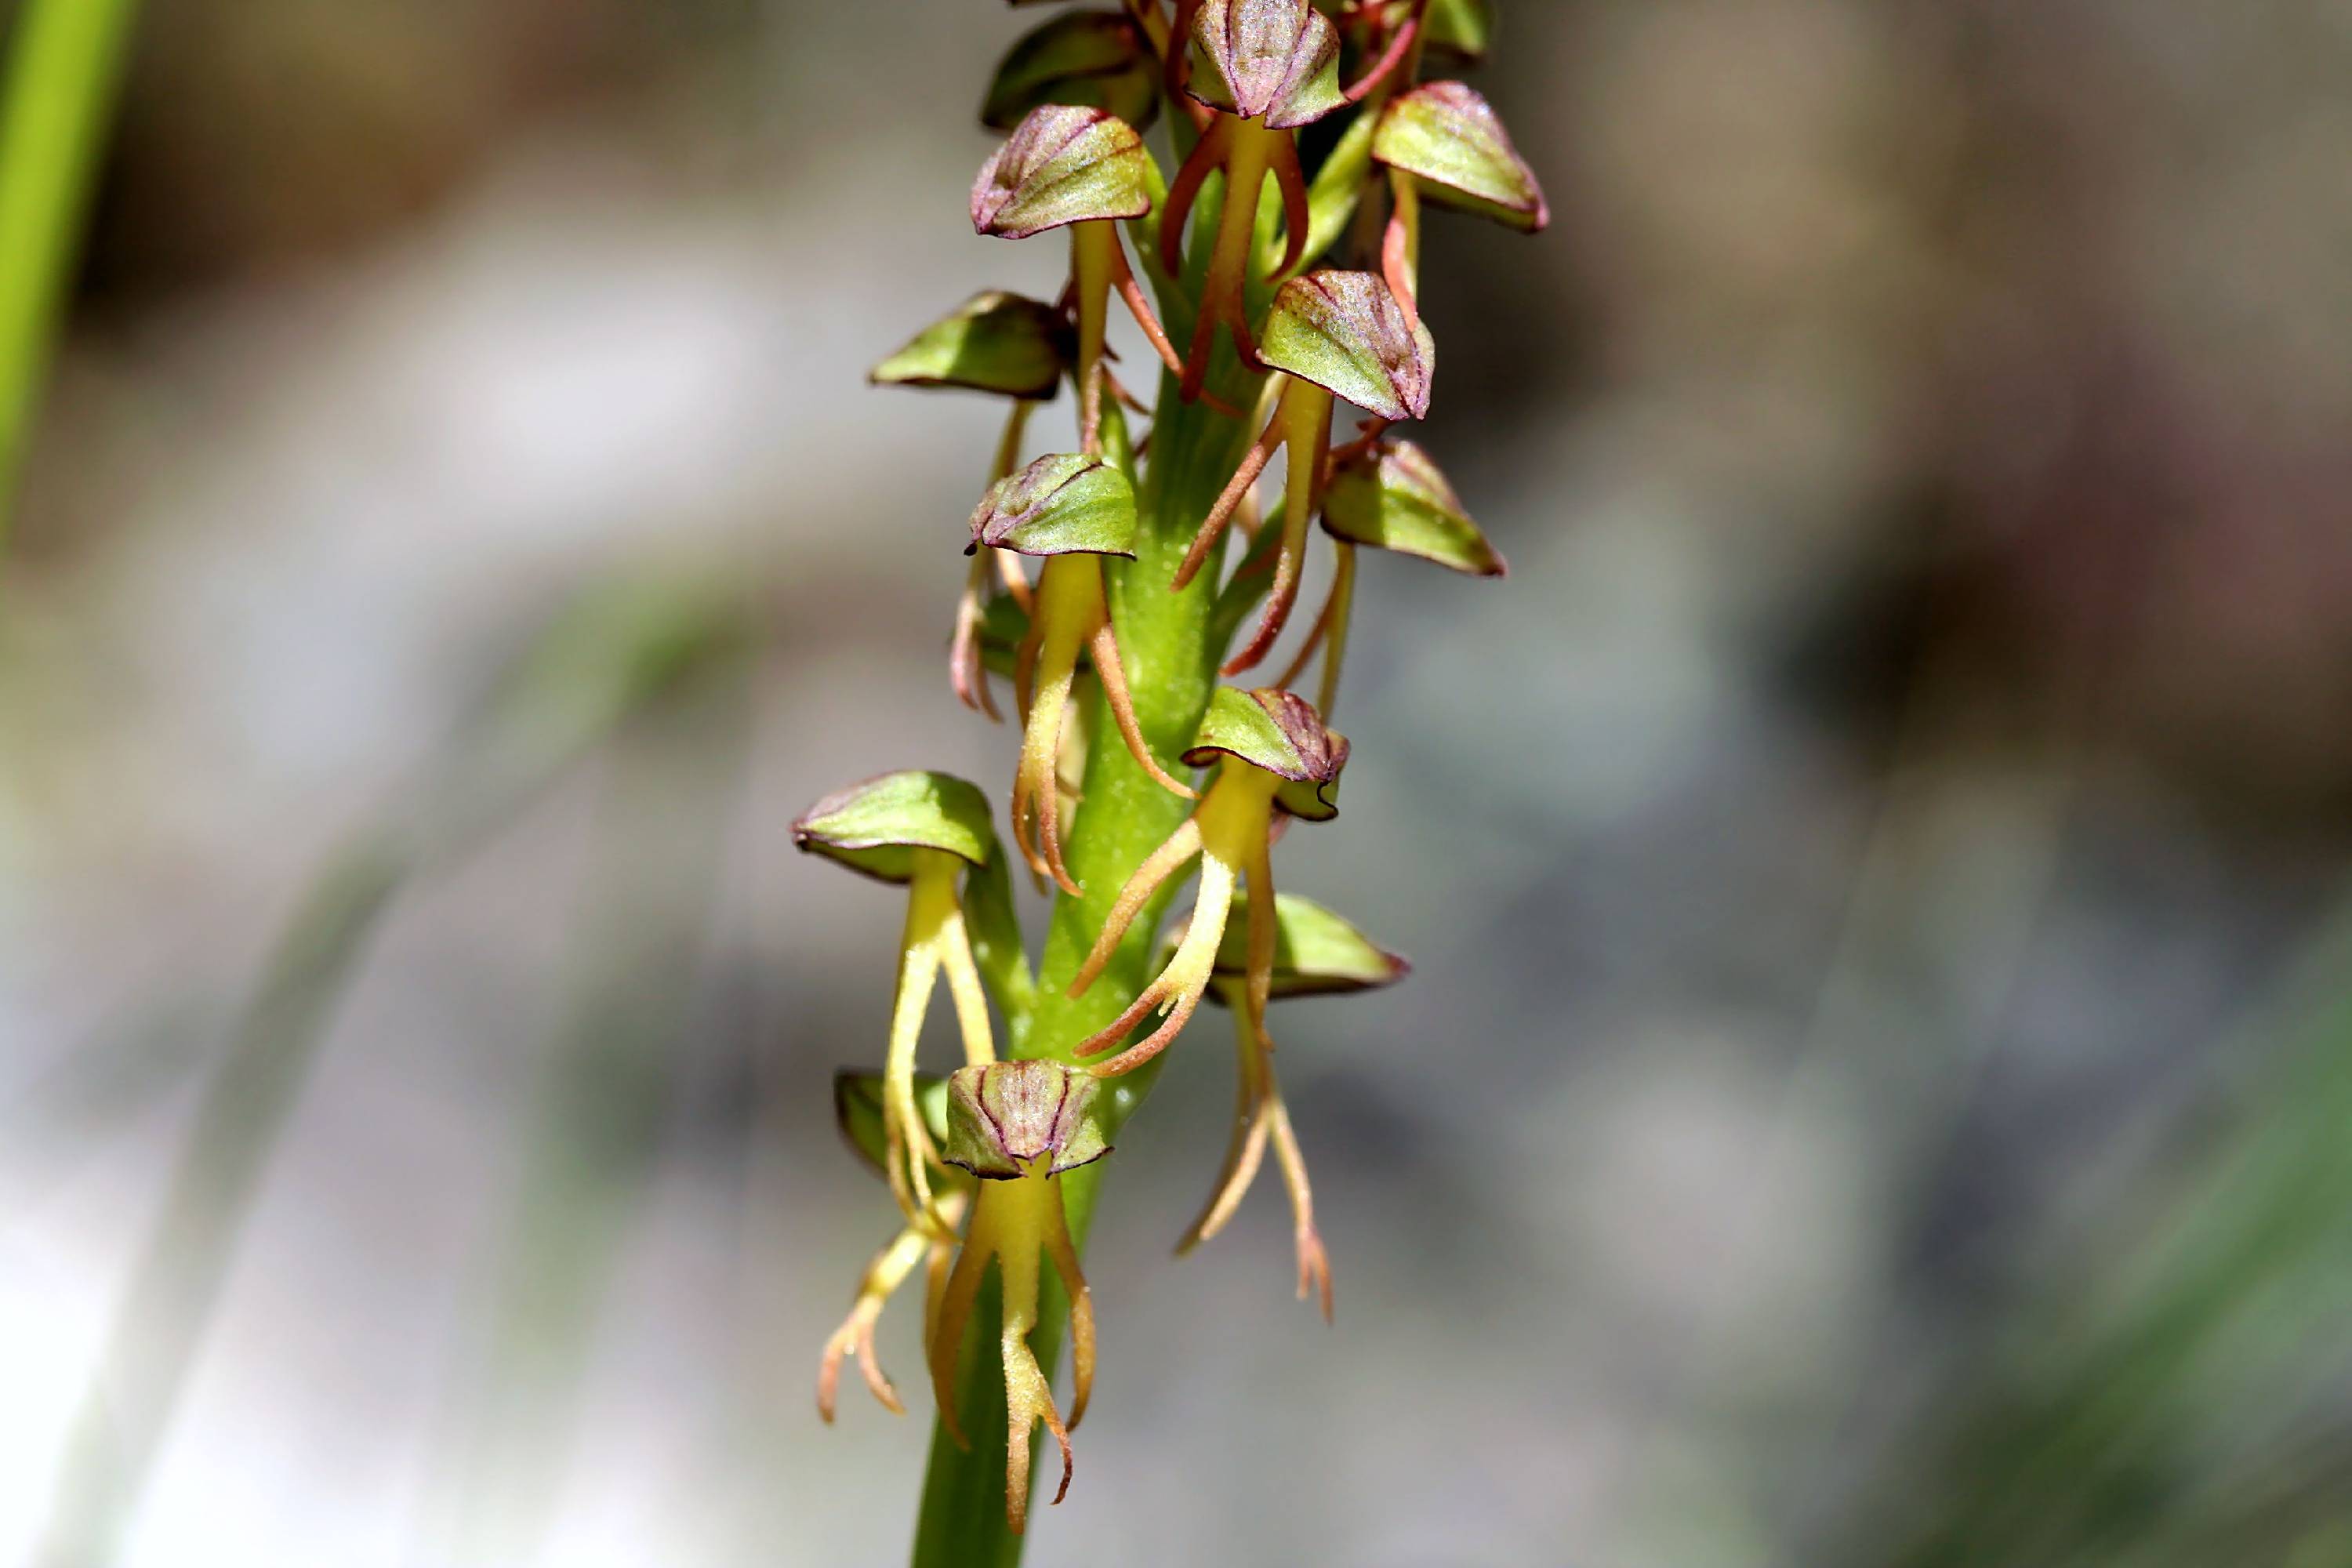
(1876, 1084)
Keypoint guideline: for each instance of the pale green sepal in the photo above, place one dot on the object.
(879, 826)
(1346, 333)
(1061, 165)
(1316, 953)
(1064, 503)
(994, 342)
(1393, 497)
(1448, 137)
(1280, 732)
(1278, 59)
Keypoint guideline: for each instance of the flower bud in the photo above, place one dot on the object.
(1006, 1118)
(1061, 165)
(1448, 137)
(1275, 60)
(993, 342)
(1281, 733)
(1346, 333)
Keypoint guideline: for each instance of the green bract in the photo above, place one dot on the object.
(857, 1111)
(1062, 504)
(1277, 59)
(878, 827)
(1280, 732)
(1393, 497)
(1451, 139)
(1462, 29)
(1005, 1117)
(1345, 332)
(1096, 60)
(1339, 185)
(1316, 953)
(993, 342)
(1062, 165)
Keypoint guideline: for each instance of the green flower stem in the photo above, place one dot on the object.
(1171, 645)
(64, 70)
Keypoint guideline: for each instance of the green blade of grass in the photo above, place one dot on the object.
(65, 72)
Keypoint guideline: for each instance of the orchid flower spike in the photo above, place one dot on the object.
(1016, 348)
(1316, 953)
(1083, 169)
(1017, 1126)
(926, 832)
(1274, 759)
(1328, 334)
(1073, 511)
(860, 1108)
(1273, 67)
(1386, 496)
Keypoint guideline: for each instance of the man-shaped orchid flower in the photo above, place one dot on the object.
(1329, 334)
(928, 833)
(1316, 953)
(1274, 759)
(1016, 1126)
(1073, 511)
(1084, 170)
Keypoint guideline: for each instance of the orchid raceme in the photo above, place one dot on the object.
(1283, 257)
(1274, 758)
(1316, 953)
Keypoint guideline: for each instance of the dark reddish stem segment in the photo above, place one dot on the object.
(1212, 527)
(1398, 47)
(1175, 65)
